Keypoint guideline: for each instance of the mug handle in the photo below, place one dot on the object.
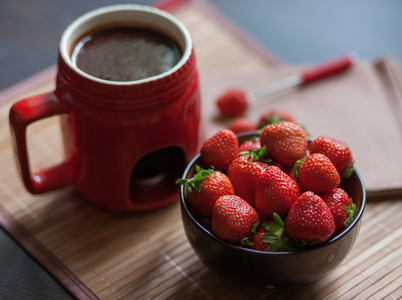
(22, 114)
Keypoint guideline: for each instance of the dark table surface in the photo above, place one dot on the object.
(297, 32)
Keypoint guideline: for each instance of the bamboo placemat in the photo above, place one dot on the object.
(146, 255)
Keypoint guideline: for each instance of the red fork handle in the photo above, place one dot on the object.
(22, 114)
(327, 69)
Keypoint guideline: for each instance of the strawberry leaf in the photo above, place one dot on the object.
(198, 177)
(246, 241)
(349, 171)
(253, 229)
(276, 235)
(196, 184)
(254, 154)
(296, 168)
(274, 119)
(275, 246)
(181, 181)
(351, 210)
(278, 220)
(195, 181)
(274, 228)
(270, 237)
(259, 154)
(275, 241)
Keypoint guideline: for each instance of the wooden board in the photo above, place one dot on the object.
(110, 255)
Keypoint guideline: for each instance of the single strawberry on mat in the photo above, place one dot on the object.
(232, 103)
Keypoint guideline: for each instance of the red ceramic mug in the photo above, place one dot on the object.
(126, 142)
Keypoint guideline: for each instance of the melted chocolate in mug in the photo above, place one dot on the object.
(125, 54)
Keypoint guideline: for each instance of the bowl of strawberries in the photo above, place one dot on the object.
(272, 207)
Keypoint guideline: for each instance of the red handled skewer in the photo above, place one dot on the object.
(305, 77)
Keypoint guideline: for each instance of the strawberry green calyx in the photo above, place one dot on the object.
(275, 115)
(296, 168)
(195, 182)
(246, 242)
(273, 119)
(276, 236)
(351, 210)
(260, 155)
(349, 171)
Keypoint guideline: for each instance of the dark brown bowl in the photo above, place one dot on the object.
(271, 268)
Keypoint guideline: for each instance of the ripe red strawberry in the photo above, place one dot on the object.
(337, 200)
(286, 142)
(243, 172)
(233, 218)
(204, 189)
(316, 173)
(275, 192)
(337, 151)
(220, 149)
(250, 144)
(309, 220)
(241, 124)
(232, 103)
(275, 115)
